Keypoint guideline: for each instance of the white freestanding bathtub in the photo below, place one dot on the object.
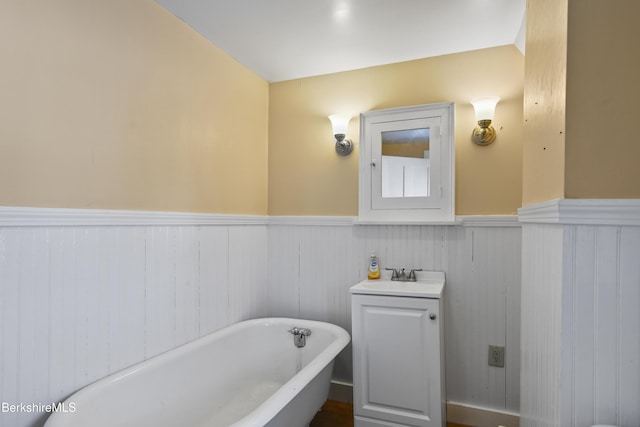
(249, 374)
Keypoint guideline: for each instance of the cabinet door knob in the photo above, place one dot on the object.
(432, 316)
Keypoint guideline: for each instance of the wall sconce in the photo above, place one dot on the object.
(344, 146)
(484, 133)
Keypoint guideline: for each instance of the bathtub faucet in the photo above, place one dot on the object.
(300, 336)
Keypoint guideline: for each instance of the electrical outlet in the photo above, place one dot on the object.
(496, 356)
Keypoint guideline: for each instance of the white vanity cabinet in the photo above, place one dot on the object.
(398, 348)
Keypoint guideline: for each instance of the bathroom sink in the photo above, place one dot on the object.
(429, 285)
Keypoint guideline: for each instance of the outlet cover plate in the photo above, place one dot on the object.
(496, 356)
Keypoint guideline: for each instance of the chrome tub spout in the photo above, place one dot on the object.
(300, 336)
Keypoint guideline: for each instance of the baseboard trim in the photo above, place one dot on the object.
(341, 391)
(476, 416)
(457, 413)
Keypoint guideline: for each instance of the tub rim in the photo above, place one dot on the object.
(278, 400)
(267, 409)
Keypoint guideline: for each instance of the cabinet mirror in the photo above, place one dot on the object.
(406, 164)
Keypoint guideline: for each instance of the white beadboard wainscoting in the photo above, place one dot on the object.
(87, 293)
(313, 262)
(581, 313)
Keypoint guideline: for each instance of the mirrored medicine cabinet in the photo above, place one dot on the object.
(407, 165)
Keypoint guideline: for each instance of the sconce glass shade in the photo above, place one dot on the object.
(485, 107)
(340, 124)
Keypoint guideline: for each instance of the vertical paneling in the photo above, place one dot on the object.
(550, 272)
(10, 246)
(602, 300)
(541, 324)
(160, 290)
(283, 293)
(247, 272)
(80, 302)
(583, 299)
(187, 286)
(506, 263)
(458, 360)
(92, 329)
(61, 311)
(606, 330)
(482, 308)
(35, 359)
(127, 298)
(314, 265)
(580, 299)
(628, 316)
(213, 259)
(328, 262)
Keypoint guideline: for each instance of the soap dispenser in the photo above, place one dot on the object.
(374, 267)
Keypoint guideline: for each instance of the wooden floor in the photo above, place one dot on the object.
(334, 414)
(339, 414)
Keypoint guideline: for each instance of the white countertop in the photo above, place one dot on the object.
(430, 284)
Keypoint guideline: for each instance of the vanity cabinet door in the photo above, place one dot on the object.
(397, 361)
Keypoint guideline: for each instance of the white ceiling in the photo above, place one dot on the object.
(288, 39)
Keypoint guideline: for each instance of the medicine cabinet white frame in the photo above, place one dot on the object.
(438, 206)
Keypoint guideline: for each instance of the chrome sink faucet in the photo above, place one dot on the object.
(399, 275)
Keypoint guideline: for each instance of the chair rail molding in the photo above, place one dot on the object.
(583, 212)
(55, 217)
(17, 216)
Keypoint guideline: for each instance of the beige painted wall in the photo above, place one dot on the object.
(580, 103)
(117, 104)
(603, 89)
(544, 101)
(307, 177)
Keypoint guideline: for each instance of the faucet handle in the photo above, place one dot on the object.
(395, 274)
(412, 274)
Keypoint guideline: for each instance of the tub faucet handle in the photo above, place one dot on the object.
(300, 331)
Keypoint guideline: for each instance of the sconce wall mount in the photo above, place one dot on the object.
(344, 146)
(484, 133)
